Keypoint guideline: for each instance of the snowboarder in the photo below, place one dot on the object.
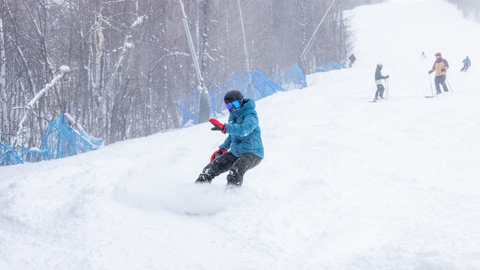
(244, 141)
(352, 60)
(440, 67)
(466, 64)
(378, 81)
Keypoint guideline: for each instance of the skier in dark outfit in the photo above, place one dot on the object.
(244, 141)
(352, 60)
(378, 81)
(440, 67)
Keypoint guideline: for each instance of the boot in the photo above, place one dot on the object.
(234, 180)
(203, 179)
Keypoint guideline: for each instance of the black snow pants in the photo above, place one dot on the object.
(440, 80)
(465, 67)
(237, 166)
(380, 90)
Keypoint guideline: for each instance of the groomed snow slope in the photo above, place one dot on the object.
(345, 184)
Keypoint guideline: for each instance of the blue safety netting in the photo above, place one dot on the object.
(189, 105)
(254, 85)
(8, 155)
(59, 140)
(14, 154)
(328, 67)
(290, 78)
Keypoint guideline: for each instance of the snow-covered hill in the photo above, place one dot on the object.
(345, 184)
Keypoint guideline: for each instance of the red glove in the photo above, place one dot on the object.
(217, 153)
(217, 125)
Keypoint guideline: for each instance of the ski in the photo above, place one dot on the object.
(435, 95)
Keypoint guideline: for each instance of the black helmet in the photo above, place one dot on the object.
(232, 96)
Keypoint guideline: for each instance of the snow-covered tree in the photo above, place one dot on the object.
(129, 59)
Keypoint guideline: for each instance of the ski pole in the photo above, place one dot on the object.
(431, 87)
(449, 85)
(388, 89)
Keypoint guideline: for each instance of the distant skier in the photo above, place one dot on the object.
(244, 141)
(423, 56)
(466, 64)
(352, 59)
(378, 81)
(440, 67)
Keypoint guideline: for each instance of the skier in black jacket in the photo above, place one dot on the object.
(352, 59)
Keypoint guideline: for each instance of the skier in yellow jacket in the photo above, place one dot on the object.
(440, 67)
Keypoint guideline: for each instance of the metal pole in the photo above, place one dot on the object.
(190, 45)
(307, 48)
(451, 89)
(204, 97)
(244, 38)
(388, 90)
(430, 79)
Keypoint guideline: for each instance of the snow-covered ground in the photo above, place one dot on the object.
(345, 184)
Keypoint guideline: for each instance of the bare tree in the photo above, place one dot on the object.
(470, 8)
(129, 60)
(4, 127)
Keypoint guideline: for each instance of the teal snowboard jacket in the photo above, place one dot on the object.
(244, 135)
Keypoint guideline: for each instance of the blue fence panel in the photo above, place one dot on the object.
(290, 78)
(254, 85)
(328, 67)
(189, 105)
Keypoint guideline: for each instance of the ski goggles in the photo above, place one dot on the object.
(233, 105)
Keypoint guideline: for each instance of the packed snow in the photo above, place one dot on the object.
(345, 184)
